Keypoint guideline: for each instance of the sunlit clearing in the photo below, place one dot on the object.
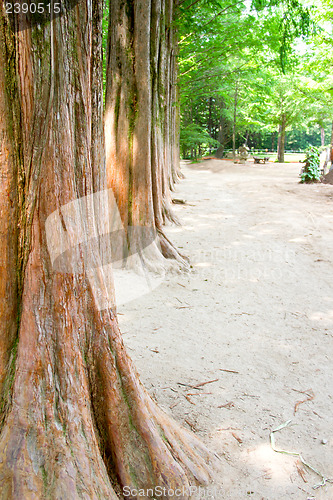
(298, 240)
(322, 316)
(175, 229)
(281, 465)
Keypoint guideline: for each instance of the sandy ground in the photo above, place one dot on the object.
(258, 302)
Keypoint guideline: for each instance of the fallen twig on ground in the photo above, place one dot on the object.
(324, 481)
(227, 405)
(228, 371)
(205, 383)
(301, 471)
(229, 429)
(188, 385)
(188, 399)
(198, 393)
(190, 425)
(310, 397)
(237, 437)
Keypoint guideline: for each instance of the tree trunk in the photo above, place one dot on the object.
(234, 123)
(75, 421)
(332, 146)
(210, 120)
(327, 159)
(281, 139)
(141, 121)
(329, 154)
(273, 141)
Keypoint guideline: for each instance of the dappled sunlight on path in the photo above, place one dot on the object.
(253, 318)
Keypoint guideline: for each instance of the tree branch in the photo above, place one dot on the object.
(213, 18)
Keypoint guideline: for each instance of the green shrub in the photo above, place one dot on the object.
(311, 170)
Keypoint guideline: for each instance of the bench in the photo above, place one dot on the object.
(260, 159)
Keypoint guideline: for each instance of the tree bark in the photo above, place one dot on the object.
(141, 124)
(329, 154)
(282, 137)
(75, 421)
(210, 120)
(222, 136)
(273, 141)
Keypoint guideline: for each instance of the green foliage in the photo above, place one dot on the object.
(311, 170)
(232, 62)
(295, 21)
(194, 139)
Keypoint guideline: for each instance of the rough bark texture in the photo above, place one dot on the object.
(141, 121)
(75, 420)
(329, 153)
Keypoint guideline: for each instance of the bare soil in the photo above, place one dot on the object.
(255, 314)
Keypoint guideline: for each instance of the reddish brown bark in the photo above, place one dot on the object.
(141, 119)
(75, 420)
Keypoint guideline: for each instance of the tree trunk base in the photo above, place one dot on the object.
(87, 428)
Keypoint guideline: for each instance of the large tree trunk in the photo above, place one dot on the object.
(75, 420)
(210, 120)
(273, 141)
(282, 137)
(141, 121)
(329, 154)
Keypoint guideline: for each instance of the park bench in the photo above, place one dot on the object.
(260, 159)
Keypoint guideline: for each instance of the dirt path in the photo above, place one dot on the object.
(258, 302)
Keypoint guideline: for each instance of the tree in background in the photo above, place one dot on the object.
(227, 52)
(141, 123)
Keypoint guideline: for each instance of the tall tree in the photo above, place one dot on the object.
(141, 123)
(75, 421)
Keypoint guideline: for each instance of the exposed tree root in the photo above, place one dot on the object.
(81, 425)
(169, 251)
(168, 213)
(76, 421)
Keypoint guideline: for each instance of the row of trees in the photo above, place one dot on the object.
(75, 421)
(247, 77)
(141, 123)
